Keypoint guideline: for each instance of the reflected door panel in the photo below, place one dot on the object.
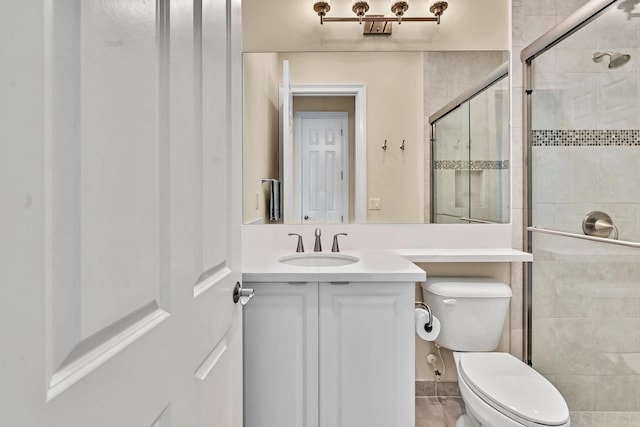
(322, 183)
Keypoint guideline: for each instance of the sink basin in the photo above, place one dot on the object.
(318, 259)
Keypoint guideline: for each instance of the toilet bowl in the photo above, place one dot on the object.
(501, 391)
(498, 389)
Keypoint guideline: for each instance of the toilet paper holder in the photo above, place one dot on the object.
(429, 326)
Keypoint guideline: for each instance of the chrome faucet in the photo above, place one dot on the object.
(335, 247)
(300, 247)
(318, 245)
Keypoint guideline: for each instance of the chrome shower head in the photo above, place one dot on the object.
(616, 60)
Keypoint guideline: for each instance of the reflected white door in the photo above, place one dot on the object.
(117, 245)
(323, 187)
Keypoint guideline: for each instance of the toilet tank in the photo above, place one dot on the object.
(471, 310)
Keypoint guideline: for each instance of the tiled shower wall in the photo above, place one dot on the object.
(586, 326)
(530, 19)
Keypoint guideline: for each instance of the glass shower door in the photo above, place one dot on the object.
(489, 154)
(584, 156)
(451, 175)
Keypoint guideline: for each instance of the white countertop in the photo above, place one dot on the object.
(374, 266)
(465, 255)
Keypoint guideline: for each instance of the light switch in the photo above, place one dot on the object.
(374, 204)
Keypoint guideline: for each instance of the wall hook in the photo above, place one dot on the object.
(402, 146)
(384, 147)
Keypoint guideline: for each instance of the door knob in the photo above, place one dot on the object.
(242, 295)
(306, 217)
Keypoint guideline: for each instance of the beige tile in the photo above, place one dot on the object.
(579, 391)
(517, 182)
(516, 69)
(517, 343)
(516, 315)
(447, 389)
(425, 388)
(564, 346)
(581, 419)
(517, 237)
(536, 25)
(516, 272)
(567, 7)
(429, 412)
(540, 7)
(517, 25)
(624, 36)
(452, 407)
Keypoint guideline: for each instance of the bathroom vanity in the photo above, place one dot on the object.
(330, 345)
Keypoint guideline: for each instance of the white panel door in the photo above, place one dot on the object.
(323, 171)
(367, 356)
(281, 355)
(117, 240)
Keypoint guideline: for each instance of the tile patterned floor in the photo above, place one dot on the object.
(438, 411)
(444, 412)
(604, 419)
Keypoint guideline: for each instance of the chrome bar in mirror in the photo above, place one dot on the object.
(477, 221)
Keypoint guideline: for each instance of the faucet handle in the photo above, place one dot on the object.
(300, 247)
(335, 247)
(317, 247)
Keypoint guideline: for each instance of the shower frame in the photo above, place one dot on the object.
(573, 23)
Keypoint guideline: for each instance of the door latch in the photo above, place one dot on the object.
(242, 295)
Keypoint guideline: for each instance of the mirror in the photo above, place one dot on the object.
(402, 89)
(470, 154)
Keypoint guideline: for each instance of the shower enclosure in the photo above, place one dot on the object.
(470, 154)
(582, 126)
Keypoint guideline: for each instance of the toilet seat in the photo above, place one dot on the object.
(513, 388)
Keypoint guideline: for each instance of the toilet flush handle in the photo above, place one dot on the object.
(450, 301)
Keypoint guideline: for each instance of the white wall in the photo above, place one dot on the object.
(260, 133)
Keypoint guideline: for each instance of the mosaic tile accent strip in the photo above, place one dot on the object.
(473, 165)
(585, 137)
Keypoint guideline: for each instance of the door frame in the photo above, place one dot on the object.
(358, 91)
(344, 118)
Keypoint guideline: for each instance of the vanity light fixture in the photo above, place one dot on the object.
(361, 7)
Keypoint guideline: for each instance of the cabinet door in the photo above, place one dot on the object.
(281, 355)
(367, 356)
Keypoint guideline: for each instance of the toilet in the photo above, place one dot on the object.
(498, 389)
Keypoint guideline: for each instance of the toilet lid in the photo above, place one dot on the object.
(513, 388)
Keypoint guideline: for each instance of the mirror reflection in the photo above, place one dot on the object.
(470, 152)
(357, 149)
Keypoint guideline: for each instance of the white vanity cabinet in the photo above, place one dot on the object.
(329, 354)
(281, 355)
(367, 354)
